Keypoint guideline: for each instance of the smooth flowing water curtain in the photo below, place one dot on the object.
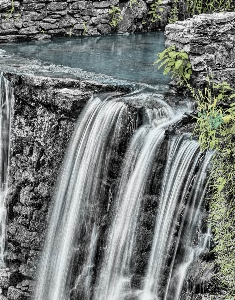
(6, 102)
(150, 219)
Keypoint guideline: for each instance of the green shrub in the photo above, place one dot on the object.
(215, 129)
(155, 10)
(115, 13)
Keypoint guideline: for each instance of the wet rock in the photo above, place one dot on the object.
(51, 17)
(209, 39)
(129, 14)
(4, 279)
(16, 294)
(104, 28)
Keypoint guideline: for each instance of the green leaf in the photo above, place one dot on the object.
(232, 96)
(166, 71)
(172, 54)
(178, 63)
(187, 76)
(184, 55)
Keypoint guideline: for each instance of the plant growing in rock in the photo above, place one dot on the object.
(174, 13)
(133, 2)
(215, 129)
(85, 28)
(155, 10)
(177, 63)
(115, 13)
(208, 6)
(11, 10)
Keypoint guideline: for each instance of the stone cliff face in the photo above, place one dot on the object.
(43, 19)
(210, 42)
(44, 114)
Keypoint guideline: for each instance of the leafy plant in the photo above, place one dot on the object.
(175, 62)
(11, 10)
(155, 10)
(210, 113)
(174, 13)
(208, 6)
(132, 2)
(85, 28)
(115, 12)
(215, 129)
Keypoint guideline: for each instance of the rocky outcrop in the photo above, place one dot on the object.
(210, 42)
(43, 19)
(44, 114)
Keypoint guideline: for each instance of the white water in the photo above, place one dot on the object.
(74, 225)
(187, 252)
(79, 192)
(6, 99)
(181, 166)
(115, 276)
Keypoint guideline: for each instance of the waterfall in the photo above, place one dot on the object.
(6, 99)
(72, 231)
(183, 158)
(75, 265)
(115, 274)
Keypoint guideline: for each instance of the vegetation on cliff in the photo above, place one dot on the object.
(215, 129)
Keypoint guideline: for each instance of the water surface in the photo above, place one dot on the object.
(127, 57)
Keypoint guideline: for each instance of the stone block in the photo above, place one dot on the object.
(16, 294)
(4, 279)
(48, 26)
(78, 5)
(34, 6)
(29, 30)
(101, 4)
(57, 6)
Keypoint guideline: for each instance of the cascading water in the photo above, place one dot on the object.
(72, 232)
(69, 267)
(181, 166)
(6, 99)
(115, 275)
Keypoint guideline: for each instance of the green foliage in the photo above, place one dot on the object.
(10, 11)
(175, 62)
(215, 128)
(133, 2)
(155, 10)
(115, 13)
(85, 30)
(195, 7)
(174, 13)
(210, 114)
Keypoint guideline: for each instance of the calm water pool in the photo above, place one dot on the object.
(128, 57)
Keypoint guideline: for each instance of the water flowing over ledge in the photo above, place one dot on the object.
(75, 263)
(124, 166)
(6, 102)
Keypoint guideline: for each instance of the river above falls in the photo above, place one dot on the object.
(126, 57)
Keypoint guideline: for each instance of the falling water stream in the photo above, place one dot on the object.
(6, 99)
(98, 246)
(80, 189)
(74, 222)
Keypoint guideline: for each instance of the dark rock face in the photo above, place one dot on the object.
(43, 19)
(44, 115)
(210, 42)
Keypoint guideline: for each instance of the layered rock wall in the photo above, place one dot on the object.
(41, 19)
(210, 42)
(43, 118)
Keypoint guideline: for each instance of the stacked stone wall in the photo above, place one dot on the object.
(43, 19)
(210, 42)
